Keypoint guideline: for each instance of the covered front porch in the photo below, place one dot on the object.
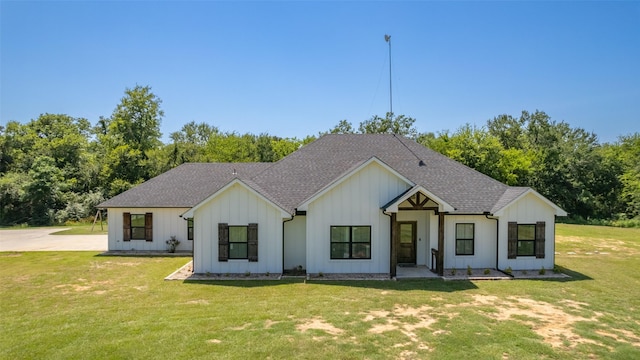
(417, 234)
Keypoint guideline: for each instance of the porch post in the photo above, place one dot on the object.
(394, 244)
(440, 260)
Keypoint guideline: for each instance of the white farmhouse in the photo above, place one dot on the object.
(342, 204)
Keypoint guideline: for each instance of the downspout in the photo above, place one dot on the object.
(285, 221)
(487, 214)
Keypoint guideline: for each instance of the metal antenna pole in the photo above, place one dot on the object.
(387, 38)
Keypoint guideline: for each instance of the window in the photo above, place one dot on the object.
(351, 242)
(238, 242)
(190, 229)
(464, 239)
(137, 226)
(526, 239)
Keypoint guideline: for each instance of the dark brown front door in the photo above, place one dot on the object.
(407, 248)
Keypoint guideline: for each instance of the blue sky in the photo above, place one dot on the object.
(297, 68)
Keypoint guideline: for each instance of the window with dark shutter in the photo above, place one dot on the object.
(252, 237)
(223, 242)
(512, 240)
(148, 226)
(540, 235)
(126, 226)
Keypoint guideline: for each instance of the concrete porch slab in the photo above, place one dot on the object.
(414, 272)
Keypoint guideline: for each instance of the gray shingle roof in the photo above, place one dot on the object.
(297, 177)
(185, 185)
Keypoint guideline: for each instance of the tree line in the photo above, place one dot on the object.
(57, 168)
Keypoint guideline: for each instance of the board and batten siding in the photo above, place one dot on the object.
(295, 245)
(528, 210)
(237, 206)
(356, 201)
(166, 223)
(484, 252)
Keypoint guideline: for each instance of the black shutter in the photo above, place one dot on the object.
(126, 226)
(252, 238)
(512, 240)
(540, 235)
(223, 242)
(148, 226)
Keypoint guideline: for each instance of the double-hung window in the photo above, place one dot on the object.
(350, 242)
(238, 244)
(464, 239)
(526, 239)
(137, 226)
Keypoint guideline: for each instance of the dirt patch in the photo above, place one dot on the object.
(197, 302)
(269, 323)
(405, 319)
(319, 324)
(621, 335)
(241, 327)
(609, 245)
(551, 322)
(213, 341)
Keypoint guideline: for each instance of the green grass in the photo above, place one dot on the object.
(65, 305)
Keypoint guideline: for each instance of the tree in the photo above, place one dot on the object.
(343, 127)
(43, 192)
(400, 125)
(129, 137)
(136, 120)
(630, 178)
(478, 149)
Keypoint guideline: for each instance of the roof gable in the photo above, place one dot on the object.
(395, 203)
(190, 212)
(514, 194)
(348, 174)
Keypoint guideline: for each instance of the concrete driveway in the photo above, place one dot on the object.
(40, 239)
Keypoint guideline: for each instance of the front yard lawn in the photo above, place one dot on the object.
(76, 305)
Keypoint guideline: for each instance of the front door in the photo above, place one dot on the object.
(407, 248)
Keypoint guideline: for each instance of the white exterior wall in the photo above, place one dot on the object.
(528, 210)
(166, 223)
(423, 241)
(484, 242)
(355, 201)
(237, 206)
(295, 245)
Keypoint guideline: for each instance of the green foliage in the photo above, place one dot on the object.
(400, 125)
(57, 168)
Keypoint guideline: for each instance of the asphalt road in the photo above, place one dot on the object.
(40, 239)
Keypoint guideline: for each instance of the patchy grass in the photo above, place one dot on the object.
(74, 228)
(78, 305)
(83, 229)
